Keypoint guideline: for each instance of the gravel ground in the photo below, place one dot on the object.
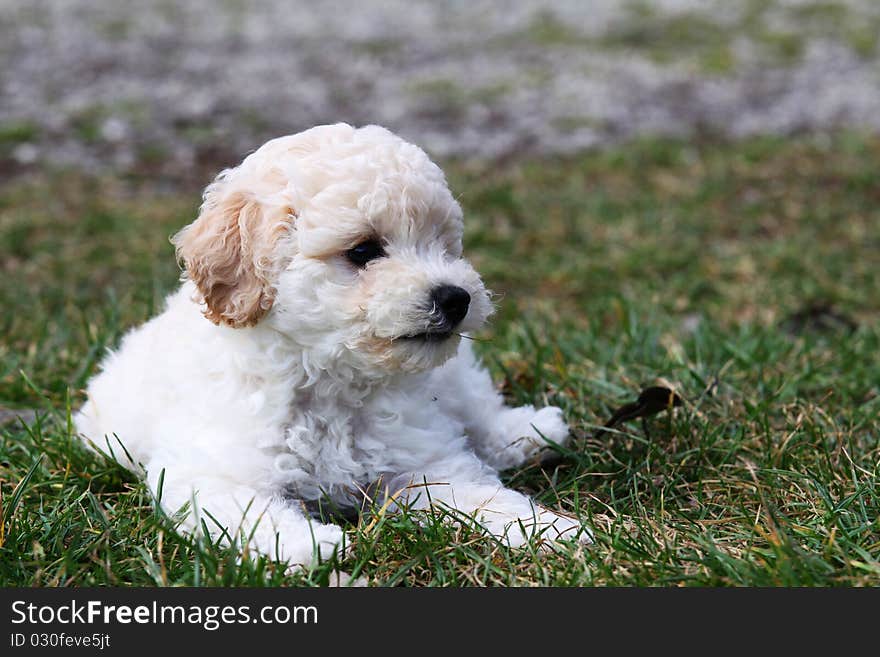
(160, 86)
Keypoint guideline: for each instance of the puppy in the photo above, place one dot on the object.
(314, 349)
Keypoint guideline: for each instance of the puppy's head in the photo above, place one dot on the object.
(346, 240)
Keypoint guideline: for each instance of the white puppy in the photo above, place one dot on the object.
(313, 350)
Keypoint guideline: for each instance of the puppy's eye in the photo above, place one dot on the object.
(364, 252)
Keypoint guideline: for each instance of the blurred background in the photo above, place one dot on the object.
(678, 160)
(165, 88)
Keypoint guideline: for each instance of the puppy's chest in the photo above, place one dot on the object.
(404, 428)
(330, 444)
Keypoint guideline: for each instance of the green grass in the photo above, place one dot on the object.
(656, 261)
(709, 43)
(16, 132)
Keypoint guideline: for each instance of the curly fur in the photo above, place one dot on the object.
(303, 384)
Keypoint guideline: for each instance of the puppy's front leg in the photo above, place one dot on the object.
(503, 437)
(243, 516)
(477, 493)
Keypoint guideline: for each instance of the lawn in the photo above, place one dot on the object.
(744, 274)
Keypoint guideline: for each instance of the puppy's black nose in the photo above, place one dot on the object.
(452, 301)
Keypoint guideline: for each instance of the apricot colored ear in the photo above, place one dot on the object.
(229, 253)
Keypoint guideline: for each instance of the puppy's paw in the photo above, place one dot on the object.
(545, 530)
(517, 520)
(340, 579)
(329, 539)
(555, 527)
(549, 423)
(319, 543)
(525, 433)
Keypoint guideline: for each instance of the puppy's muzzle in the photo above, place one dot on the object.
(449, 306)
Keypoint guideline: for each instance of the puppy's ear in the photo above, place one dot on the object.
(229, 252)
